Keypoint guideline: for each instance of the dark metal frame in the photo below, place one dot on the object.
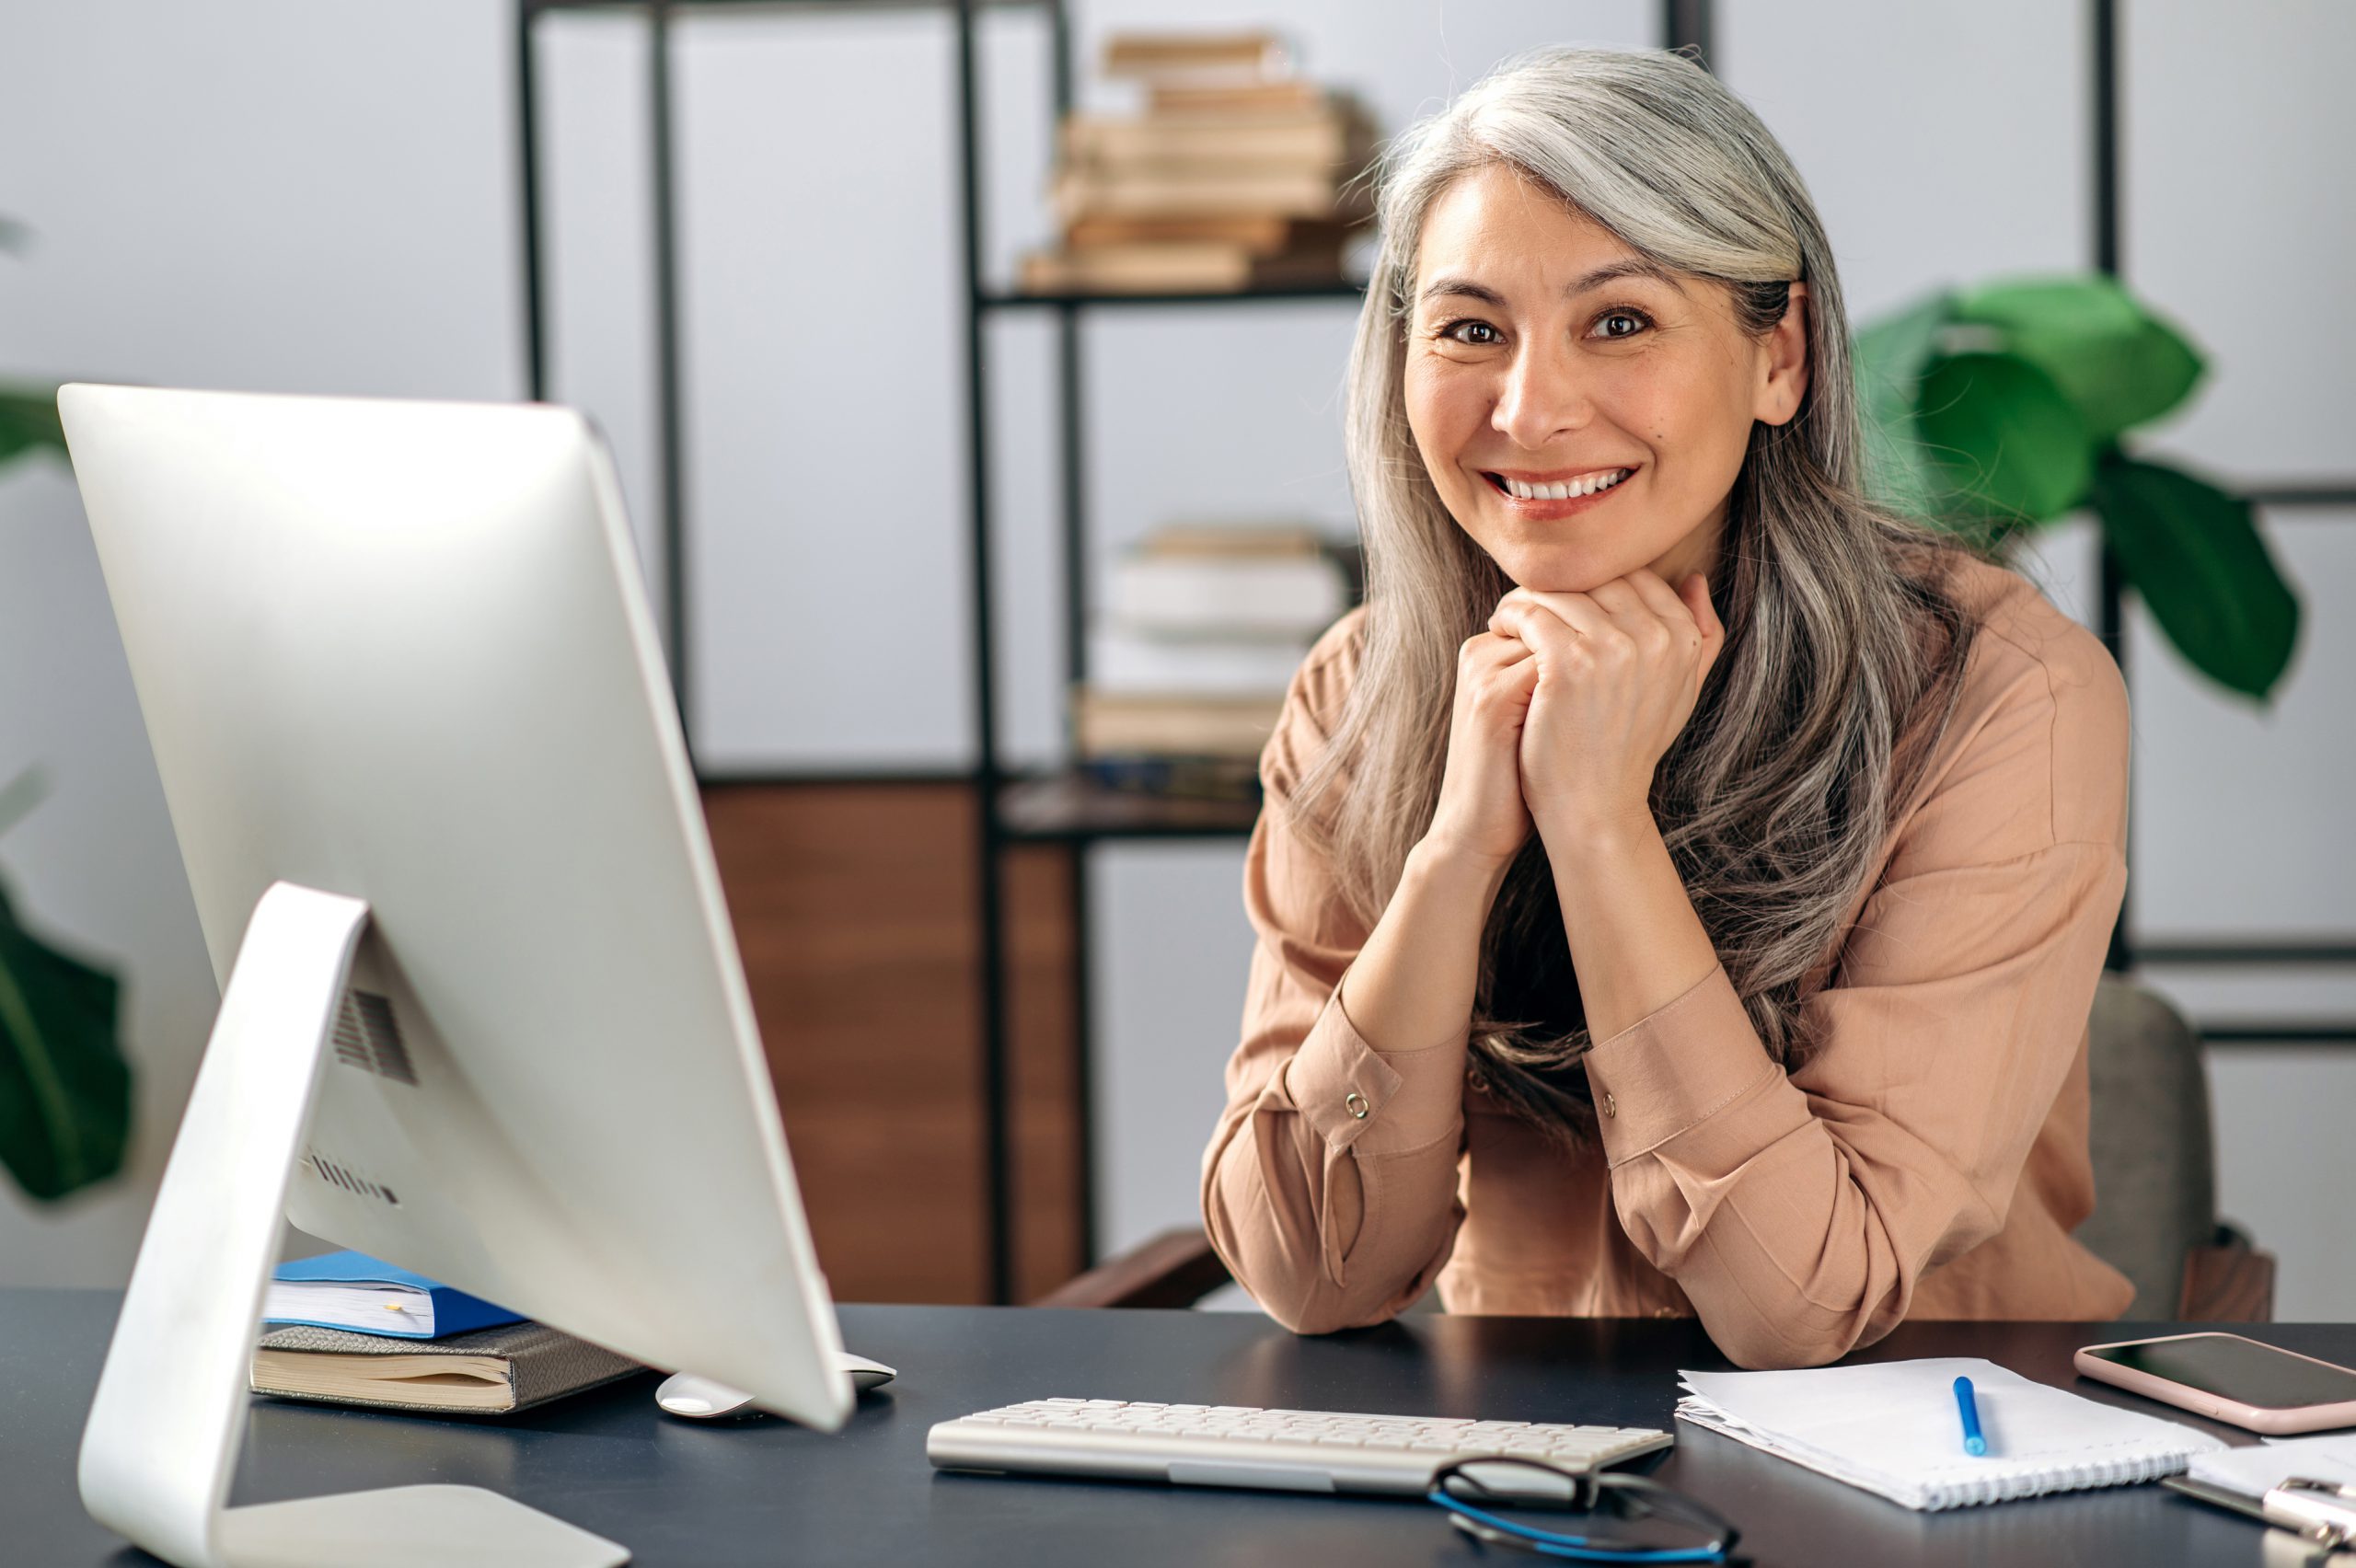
(1009, 810)
(2104, 55)
(1685, 24)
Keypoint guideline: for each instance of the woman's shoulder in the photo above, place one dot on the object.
(1331, 666)
(1321, 689)
(2036, 751)
(2029, 629)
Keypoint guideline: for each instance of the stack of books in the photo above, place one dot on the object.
(1238, 174)
(348, 1329)
(1204, 625)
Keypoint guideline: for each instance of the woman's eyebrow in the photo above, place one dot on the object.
(1628, 266)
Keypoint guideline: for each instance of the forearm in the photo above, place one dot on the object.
(1411, 986)
(1377, 1078)
(1636, 944)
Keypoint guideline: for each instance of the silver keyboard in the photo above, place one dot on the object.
(1290, 1450)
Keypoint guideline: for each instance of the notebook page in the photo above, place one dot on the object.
(1892, 1428)
(365, 1308)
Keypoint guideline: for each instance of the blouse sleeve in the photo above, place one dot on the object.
(1799, 1213)
(1329, 1187)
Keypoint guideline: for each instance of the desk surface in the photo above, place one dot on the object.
(678, 1492)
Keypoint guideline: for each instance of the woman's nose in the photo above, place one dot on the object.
(1542, 397)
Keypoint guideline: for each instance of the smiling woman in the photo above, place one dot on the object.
(1682, 889)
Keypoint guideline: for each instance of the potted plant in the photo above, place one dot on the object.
(1995, 409)
(64, 1087)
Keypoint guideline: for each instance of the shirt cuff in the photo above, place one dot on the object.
(1374, 1101)
(1689, 1060)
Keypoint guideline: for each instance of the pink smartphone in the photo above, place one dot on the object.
(2232, 1378)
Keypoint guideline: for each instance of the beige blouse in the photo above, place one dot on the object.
(1929, 1161)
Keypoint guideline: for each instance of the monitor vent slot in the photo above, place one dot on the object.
(337, 1175)
(367, 1037)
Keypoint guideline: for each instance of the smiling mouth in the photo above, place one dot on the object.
(1595, 483)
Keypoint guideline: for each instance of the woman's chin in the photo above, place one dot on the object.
(1559, 571)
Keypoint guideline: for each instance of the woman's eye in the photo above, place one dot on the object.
(1455, 329)
(1620, 324)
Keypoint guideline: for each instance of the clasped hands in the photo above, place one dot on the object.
(1563, 708)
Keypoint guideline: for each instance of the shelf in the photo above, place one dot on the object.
(1065, 808)
(2251, 949)
(534, 8)
(2259, 1032)
(1001, 299)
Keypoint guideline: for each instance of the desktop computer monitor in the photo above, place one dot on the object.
(483, 1014)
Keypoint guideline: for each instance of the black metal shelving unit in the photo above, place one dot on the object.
(1063, 809)
(2105, 52)
(1015, 809)
(1011, 808)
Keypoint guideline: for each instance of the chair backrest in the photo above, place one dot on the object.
(2155, 1194)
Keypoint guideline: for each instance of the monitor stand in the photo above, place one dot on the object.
(162, 1442)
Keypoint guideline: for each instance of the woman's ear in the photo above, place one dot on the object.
(1784, 363)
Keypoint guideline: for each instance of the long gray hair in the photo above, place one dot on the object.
(1845, 649)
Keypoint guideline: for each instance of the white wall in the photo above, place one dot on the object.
(268, 196)
(2238, 221)
(306, 198)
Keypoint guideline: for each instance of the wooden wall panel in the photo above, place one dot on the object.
(853, 905)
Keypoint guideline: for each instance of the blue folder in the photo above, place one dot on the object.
(455, 1312)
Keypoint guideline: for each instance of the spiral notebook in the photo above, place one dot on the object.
(1891, 1428)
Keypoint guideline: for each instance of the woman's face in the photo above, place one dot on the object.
(1543, 350)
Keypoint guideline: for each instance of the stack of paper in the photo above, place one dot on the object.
(2255, 1470)
(368, 1295)
(1892, 1428)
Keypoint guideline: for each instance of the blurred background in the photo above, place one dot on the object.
(278, 196)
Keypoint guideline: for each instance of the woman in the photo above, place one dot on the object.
(1682, 888)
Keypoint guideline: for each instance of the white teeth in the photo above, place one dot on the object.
(1565, 489)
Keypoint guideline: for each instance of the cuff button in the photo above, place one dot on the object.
(1355, 1104)
(1610, 1106)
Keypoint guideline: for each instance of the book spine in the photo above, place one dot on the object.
(559, 1365)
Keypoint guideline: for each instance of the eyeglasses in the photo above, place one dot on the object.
(1484, 1497)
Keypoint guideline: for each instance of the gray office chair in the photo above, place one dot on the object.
(2156, 1173)
(2155, 1216)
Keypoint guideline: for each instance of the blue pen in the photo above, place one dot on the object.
(1972, 1442)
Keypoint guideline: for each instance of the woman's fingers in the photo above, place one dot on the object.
(1492, 650)
(1555, 622)
(1577, 611)
(1695, 594)
(1536, 626)
(1621, 600)
(1658, 600)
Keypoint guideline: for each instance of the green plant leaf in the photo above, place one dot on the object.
(28, 419)
(65, 1088)
(2007, 443)
(1891, 355)
(2120, 364)
(20, 795)
(2195, 555)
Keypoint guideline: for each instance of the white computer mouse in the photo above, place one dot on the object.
(700, 1399)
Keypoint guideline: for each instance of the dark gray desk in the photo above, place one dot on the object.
(678, 1492)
